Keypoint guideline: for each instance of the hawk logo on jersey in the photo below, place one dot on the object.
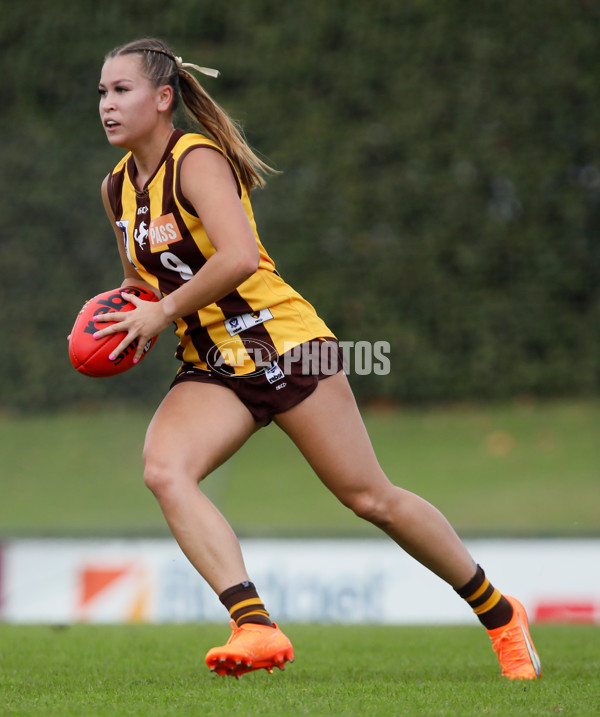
(141, 234)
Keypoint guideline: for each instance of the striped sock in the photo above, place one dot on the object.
(244, 605)
(490, 606)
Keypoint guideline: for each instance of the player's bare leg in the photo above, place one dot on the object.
(196, 428)
(329, 430)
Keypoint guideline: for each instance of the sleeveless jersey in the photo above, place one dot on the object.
(167, 245)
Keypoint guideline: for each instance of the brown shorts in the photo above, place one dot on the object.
(285, 383)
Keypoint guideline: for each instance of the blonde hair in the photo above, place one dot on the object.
(161, 66)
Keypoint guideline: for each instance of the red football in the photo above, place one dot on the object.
(89, 355)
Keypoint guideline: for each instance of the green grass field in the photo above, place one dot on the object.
(520, 469)
(85, 671)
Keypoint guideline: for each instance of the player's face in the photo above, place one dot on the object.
(129, 103)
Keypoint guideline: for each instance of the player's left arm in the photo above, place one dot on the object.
(208, 184)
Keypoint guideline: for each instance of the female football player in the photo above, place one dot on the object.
(179, 205)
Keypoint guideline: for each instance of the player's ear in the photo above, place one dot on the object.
(164, 98)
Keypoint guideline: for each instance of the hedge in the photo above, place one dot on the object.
(439, 186)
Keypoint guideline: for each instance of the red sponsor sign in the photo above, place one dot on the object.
(568, 611)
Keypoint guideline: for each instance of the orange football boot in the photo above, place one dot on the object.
(251, 647)
(513, 645)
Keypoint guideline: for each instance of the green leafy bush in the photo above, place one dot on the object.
(440, 185)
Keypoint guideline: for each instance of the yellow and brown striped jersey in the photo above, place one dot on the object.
(167, 244)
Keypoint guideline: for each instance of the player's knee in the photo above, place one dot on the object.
(165, 478)
(365, 505)
(373, 506)
(158, 478)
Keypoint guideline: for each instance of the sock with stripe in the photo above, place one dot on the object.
(488, 603)
(244, 605)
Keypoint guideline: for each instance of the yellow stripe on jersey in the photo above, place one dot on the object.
(167, 244)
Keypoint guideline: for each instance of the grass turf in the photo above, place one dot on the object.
(80, 473)
(339, 670)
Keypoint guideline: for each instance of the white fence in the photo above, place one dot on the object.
(341, 581)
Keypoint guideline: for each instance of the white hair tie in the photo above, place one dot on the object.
(203, 70)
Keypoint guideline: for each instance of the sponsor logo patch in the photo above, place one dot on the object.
(274, 373)
(163, 231)
(236, 324)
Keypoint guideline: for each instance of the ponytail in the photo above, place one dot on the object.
(223, 130)
(161, 66)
